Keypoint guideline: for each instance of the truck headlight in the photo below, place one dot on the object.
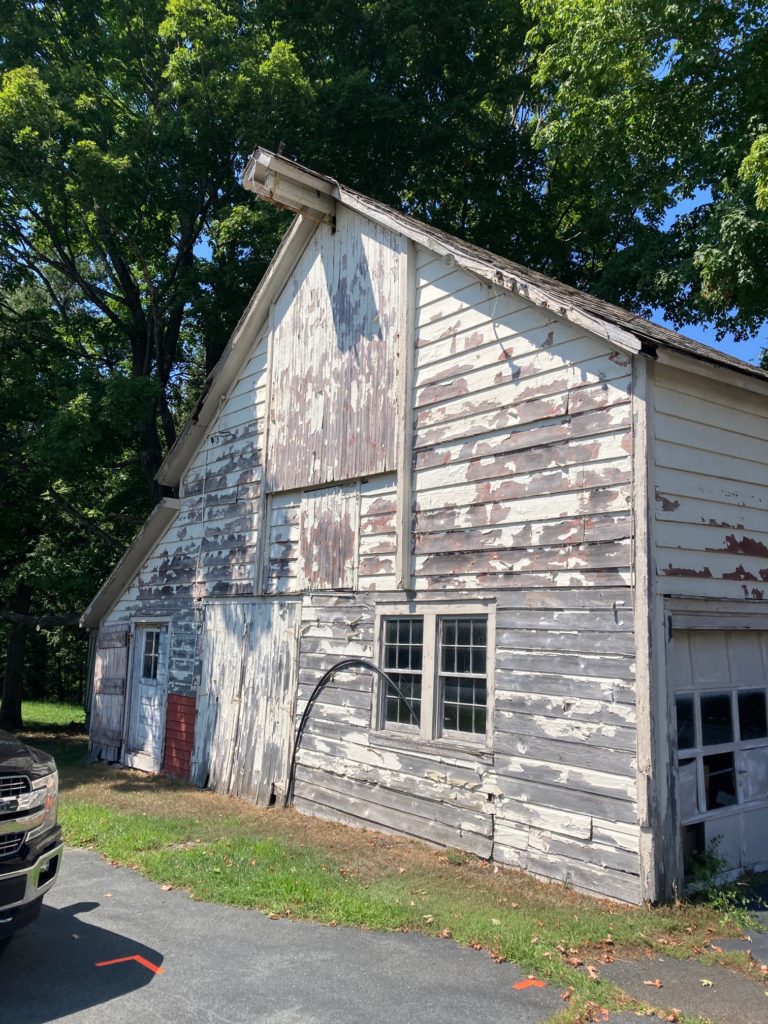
(46, 790)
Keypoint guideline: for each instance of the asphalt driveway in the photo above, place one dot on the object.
(219, 965)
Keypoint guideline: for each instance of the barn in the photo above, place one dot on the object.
(543, 518)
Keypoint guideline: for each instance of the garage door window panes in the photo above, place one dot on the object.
(722, 740)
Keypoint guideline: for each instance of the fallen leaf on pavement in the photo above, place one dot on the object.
(568, 993)
(445, 933)
(655, 982)
(593, 972)
(166, 887)
(573, 961)
(707, 983)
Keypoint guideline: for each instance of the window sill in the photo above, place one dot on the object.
(448, 748)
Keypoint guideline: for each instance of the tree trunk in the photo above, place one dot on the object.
(10, 706)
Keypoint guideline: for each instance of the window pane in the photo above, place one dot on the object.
(719, 781)
(151, 654)
(716, 724)
(463, 691)
(463, 659)
(417, 631)
(686, 729)
(478, 660)
(416, 655)
(403, 699)
(448, 659)
(391, 627)
(450, 716)
(752, 718)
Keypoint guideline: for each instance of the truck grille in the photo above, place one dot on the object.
(13, 785)
(10, 843)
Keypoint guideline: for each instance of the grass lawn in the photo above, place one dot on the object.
(288, 865)
(40, 715)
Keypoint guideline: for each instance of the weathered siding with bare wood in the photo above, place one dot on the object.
(711, 487)
(210, 549)
(332, 538)
(522, 445)
(555, 796)
(333, 361)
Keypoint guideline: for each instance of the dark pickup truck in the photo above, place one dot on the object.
(30, 838)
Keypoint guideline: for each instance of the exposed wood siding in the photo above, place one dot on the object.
(179, 735)
(558, 795)
(522, 443)
(333, 363)
(110, 675)
(333, 538)
(210, 549)
(711, 482)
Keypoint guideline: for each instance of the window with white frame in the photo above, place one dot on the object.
(151, 654)
(438, 662)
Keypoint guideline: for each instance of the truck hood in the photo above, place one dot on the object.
(17, 758)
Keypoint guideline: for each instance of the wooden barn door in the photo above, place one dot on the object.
(110, 673)
(146, 721)
(245, 711)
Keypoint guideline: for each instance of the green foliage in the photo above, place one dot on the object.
(648, 105)
(561, 134)
(732, 901)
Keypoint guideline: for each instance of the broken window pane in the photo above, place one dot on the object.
(686, 727)
(719, 781)
(752, 717)
(694, 845)
(716, 721)
(689, 790)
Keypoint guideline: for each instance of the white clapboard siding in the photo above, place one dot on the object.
(711, 488)
(520, 420)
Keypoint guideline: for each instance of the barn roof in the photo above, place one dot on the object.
(313, 197)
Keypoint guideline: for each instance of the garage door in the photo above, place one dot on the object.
(719, 680)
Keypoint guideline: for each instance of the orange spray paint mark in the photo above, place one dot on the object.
(529, 983)
(139, 959)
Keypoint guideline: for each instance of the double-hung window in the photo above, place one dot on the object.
(438, 661)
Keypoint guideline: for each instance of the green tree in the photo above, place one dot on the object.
(644, 106)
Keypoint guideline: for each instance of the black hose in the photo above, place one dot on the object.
(338, 667)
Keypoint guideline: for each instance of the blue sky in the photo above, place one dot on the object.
(750, 351)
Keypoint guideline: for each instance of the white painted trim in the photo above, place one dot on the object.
(720, 373)
(615, 336)
(404, 468)
(432, 610)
